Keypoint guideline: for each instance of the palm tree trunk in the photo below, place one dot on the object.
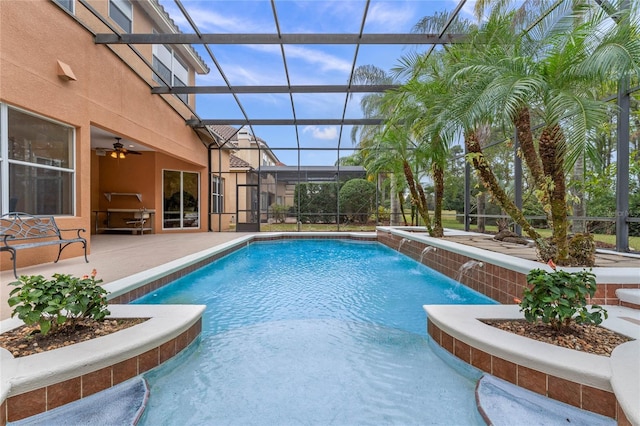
(419, 200)
(394, 219)
(438, 183)
(522, 123)
(481, 203)
(579, 207)
(489, 180)
(552, 160)
(401, 204)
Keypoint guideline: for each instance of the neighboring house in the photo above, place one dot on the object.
(255, 153)
(83, 138)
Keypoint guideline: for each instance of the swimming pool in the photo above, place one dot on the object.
(313, 332)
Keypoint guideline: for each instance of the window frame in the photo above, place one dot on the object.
(127, 15)
(177, 64)
(68, 5)
(44, 164)
(217, 194)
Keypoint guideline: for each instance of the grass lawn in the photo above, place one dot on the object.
(634, 242)
(451, 223)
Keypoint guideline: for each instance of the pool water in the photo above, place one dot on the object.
(312, 332)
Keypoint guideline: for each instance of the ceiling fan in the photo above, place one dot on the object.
(120, 152)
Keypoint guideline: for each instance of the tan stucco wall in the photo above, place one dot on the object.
(34, 36)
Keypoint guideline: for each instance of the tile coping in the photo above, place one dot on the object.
(20, 375)
(523, 266)
(125, 285)
(167, 321)
(619, 373)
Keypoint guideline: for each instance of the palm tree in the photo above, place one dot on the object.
(368, 136)
(507, 74)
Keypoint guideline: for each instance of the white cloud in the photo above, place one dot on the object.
(324, 133)
(327, 62)
(391, 18)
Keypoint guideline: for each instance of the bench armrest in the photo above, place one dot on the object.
(78, 230)
(6, 237)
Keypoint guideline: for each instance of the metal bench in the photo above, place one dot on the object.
(22, 231)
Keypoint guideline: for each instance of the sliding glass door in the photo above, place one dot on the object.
(181, 200)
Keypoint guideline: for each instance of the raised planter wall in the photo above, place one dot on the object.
(577, 394)
(497, 282)
(46, 398)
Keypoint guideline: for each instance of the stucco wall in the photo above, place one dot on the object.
(34, 36)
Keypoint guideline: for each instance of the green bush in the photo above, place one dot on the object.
(278, 212)
(60, 301)
(357, 198)
(557, 298)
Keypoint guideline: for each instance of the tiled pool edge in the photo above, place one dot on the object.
(576, 378)
(137, 285)
(133, 287)
(501, 277)
(40, 382)
(121, 292)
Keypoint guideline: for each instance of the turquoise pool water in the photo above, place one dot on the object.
(313, 332)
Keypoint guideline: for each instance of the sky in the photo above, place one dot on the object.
(306, 64)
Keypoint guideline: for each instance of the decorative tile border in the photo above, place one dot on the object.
(163, 279)
(47, 380)
(579, 395)
(495, 281)
(49, 397)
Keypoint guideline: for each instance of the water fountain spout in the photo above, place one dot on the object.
(425, 251)
(466, 267)
(404, 240)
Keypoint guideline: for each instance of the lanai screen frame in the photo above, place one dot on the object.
(622, 218)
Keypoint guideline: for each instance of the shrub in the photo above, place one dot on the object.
(559, 297)
(59, 301)
(357, 198)
(279, 212)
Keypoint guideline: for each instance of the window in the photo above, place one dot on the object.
(36, 164)
(66, 4)
(217, 194)
(181, 199)
(121, 11)
(169, 66)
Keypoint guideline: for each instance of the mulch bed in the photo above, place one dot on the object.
(588, 338)
(27, 340)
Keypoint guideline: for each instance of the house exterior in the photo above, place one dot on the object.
(82, 137)
(251, 155)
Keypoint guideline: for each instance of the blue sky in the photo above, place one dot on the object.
(307, 64)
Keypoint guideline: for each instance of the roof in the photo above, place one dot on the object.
(238, 163)
(292, 174)
(161, 17)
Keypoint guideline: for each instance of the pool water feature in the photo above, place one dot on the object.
(313, 332)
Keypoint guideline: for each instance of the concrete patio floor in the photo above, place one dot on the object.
(116, 256)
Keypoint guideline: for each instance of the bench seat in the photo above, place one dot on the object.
(23, 231)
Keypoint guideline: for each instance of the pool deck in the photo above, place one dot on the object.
(116, 257)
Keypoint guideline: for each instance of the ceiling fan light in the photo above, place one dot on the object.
(121, 155)
(113, 154)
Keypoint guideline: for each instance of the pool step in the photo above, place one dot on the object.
(122, 404)
(503, 403)
(629, 297)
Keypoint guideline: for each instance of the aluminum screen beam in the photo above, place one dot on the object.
(279, 39)
(273, 89)
(287, 122)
